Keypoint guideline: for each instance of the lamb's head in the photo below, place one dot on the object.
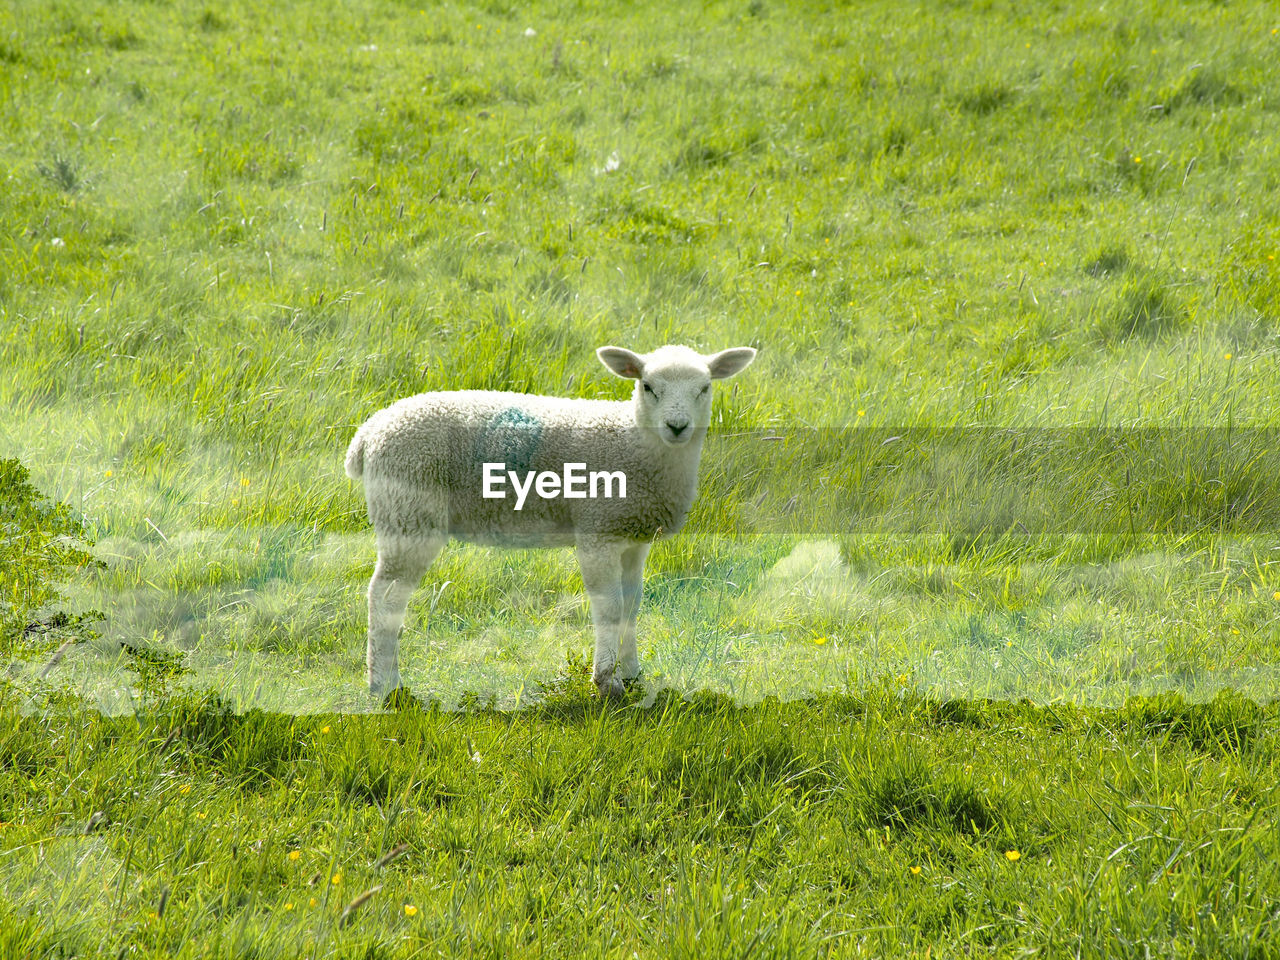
(673, 386)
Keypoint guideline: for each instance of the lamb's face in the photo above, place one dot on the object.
(673, 400)
(673, 388)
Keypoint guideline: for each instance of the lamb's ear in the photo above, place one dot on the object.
(728, 362)
(622, 362)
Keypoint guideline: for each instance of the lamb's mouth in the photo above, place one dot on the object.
(676, 440)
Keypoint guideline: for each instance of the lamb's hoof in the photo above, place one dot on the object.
(611, 689)
(401, 699)
(632, 681)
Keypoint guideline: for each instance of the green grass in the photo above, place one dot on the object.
(868, 825)
(1039, 243)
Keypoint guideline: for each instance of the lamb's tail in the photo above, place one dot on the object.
(355, 456)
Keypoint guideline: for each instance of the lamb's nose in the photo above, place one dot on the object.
(677, 428)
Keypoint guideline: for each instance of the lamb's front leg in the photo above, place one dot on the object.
(601, 565)
(632, 584)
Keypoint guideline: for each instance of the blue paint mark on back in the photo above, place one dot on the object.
(511, 437)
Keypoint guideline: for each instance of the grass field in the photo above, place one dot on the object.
(1037, 241)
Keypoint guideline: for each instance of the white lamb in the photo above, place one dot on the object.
(423, 461)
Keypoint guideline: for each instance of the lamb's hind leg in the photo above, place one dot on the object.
(632, 584)
(601, 564)
(402, 561)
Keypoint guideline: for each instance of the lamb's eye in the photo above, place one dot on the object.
(705, 388)
(649, 389)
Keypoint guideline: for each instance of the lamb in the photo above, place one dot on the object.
(432, 467)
